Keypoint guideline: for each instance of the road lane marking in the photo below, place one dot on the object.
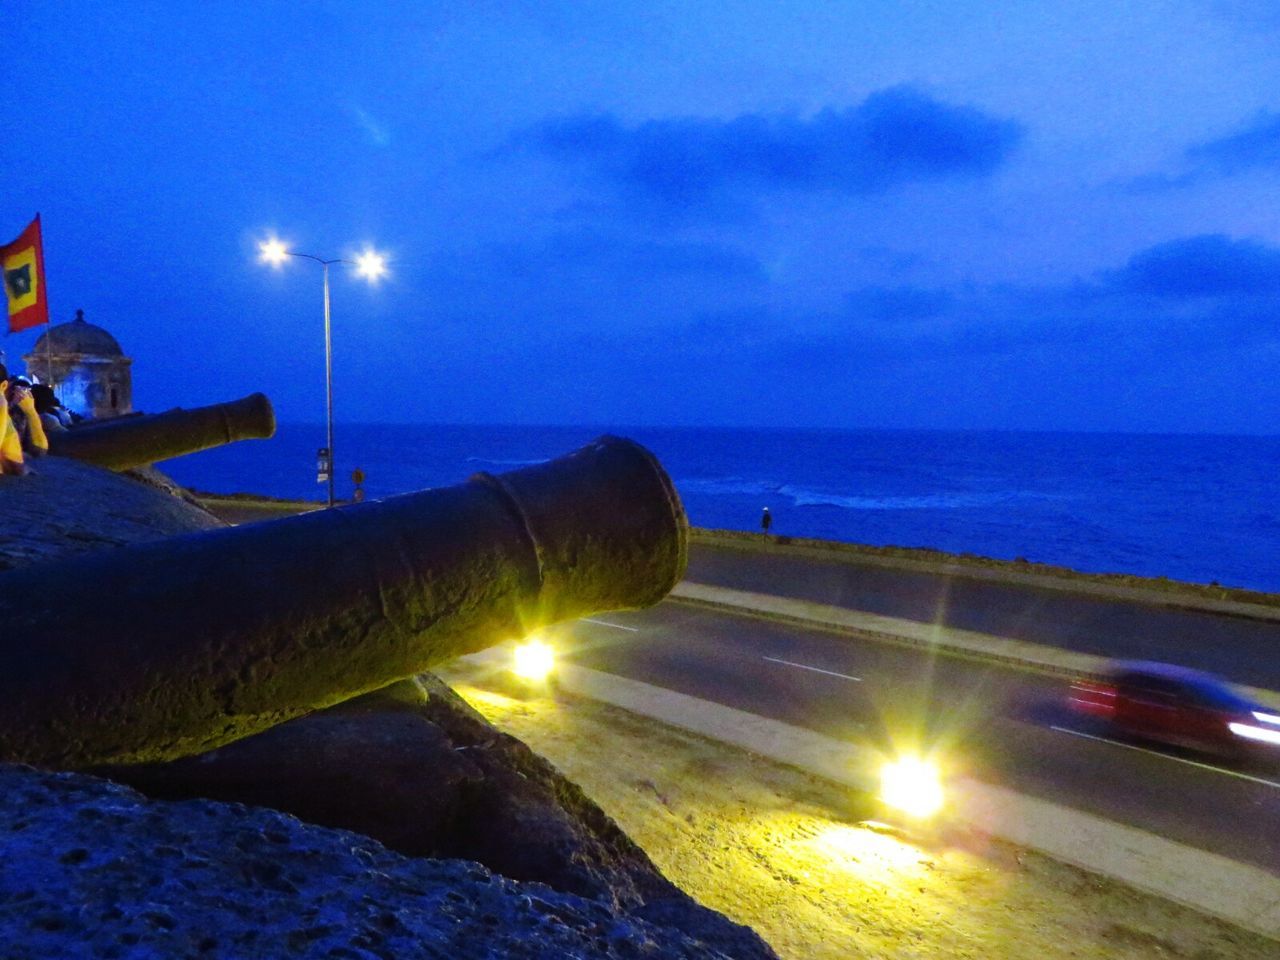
(805, 666)
(606, 623)
(1168, 756)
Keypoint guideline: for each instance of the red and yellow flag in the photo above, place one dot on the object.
(23, 264)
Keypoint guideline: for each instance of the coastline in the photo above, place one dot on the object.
(1163, 591)
(1105, 505)
(236, 508)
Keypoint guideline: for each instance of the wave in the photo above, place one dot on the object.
(506, 463)
(805, 497)
(929, 501)
(728, 485)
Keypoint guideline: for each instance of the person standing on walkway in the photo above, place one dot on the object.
(766, 520)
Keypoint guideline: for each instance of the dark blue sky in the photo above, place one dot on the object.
(986, 214)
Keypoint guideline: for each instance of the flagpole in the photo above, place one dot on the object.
(328, 377)
(48, 351)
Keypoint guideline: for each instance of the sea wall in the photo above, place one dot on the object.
(1157, 590)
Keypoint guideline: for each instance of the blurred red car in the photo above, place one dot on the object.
(1177, 706)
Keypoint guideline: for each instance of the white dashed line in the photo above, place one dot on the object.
(1168, 756)
(805, 666)
(606, 623)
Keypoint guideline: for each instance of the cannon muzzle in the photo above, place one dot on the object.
(159, 650)
(129, 442)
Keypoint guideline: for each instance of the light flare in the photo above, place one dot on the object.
(1250, 732)
(371, 265)
(534, 660)
(272, 251)
(913, 786)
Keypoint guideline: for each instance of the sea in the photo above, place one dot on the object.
(1204, 509)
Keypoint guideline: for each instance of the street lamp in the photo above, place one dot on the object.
(369, 264)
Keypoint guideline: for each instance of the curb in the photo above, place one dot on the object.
(1239, 893)
(967, 644)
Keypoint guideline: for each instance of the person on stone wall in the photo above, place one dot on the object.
(53, 415)
(25, 419)
(11, 458)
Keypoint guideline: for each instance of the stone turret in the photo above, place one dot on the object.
(86, 367)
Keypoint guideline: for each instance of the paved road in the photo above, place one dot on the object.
(1246, 651)
(993, 723)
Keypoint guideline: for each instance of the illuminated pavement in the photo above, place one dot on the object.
(998, 724)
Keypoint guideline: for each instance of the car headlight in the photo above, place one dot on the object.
(1250, 732)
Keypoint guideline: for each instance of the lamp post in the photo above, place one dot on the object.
(371, 266)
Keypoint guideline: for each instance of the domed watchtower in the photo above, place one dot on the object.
(86, 367)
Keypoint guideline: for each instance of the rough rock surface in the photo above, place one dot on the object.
(418, 769)
(91, 869)
(63, 508)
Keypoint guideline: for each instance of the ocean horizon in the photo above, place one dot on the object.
(1193, 507)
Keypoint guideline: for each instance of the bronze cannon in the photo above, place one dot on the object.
(135, 441)
(159, 650)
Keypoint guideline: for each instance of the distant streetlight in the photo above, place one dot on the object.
(369, 264)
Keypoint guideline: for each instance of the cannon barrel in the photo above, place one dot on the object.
(159, 650)
(128, 442)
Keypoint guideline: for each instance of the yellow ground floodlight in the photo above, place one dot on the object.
(534, 660)
(913, 786)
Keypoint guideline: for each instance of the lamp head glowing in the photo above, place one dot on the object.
(534, 660)
(913, 786)
(272, 251)
(371, 265)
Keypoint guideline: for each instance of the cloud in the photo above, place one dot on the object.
(1186, 297)
(701, 320)
(1254, 147)
(1210, 265)
(894, 137)
(598, 327)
